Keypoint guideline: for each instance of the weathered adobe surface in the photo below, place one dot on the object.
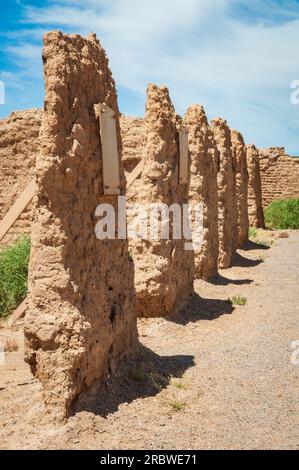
(132, 134)
(81, 318)
(241, 175)
(227, 210)
(19, 145)
(204, 157)
(279, 174)
(164, 270)
(255, 198)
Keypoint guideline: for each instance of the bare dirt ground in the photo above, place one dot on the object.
(217, 377)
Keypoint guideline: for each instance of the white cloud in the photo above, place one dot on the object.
(238, 67)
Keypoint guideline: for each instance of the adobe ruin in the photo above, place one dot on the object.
(279, 175)
(81, 319)
(132, 134)
(255, 198)
(19, 145)
(227, 205)
(164, 270)
(241, 175)
(203, 188)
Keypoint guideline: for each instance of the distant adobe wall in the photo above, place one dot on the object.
(279, 174)
(19, 146)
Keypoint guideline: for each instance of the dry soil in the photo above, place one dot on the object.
(216, 377)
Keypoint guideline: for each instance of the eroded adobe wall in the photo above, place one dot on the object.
(241, 175)
(81, 317)
(164, 270)
(279, 174)
(132, 134)
(203, 188)
(227, 211)
(19, 146)
(255, 198)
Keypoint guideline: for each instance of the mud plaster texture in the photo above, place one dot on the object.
(279, 174)
(81, 320)
(255, 197)
(164, 270)
(241, 175)
(204, 157)
(132, 134)
(227, 207)
(19, 145)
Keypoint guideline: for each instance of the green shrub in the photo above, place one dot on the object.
(14, 260)
(177, 405)
(238, 300)
(252, 232)
(283, 215)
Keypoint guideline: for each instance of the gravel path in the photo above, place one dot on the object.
(220, 379)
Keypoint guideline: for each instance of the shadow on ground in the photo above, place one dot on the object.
(223, 281)
(242, 262)
(144, 375)
(254, 246)
(200, 308)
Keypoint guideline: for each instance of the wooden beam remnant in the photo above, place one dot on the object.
(184, 155)
(18, 313)
(16, 210)
(111, 176)
(135, 173)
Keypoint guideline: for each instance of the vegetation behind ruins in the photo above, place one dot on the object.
(14, 261)
(283, 214)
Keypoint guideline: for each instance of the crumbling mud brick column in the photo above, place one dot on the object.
(81, 319)
(203, 188)
(226, 194)
(239, 150)
(164, 269)
(255, 196)
(19, 146)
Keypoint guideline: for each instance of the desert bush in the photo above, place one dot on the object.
(14, 261)
(283, 215)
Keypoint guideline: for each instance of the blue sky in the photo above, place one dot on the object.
(238, 58)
